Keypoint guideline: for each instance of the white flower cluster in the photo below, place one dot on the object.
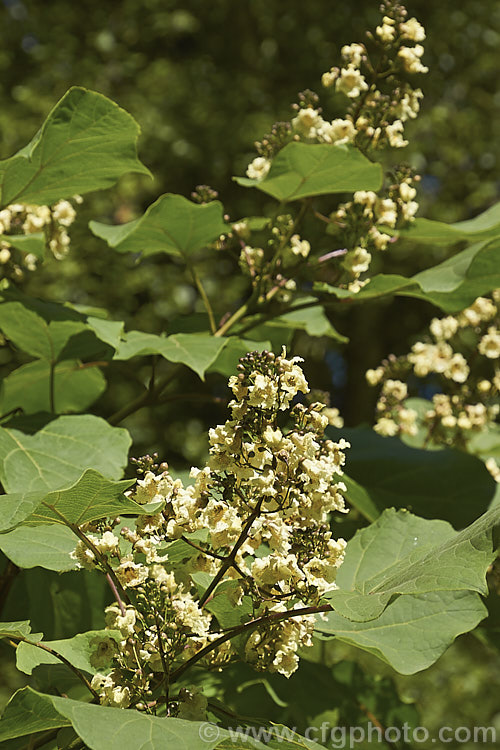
(376, 116)
(22, 219)
(255, 520)
(463, 358)
(369, 216)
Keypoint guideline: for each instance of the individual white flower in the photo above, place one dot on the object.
(379, 239)
(386, 211)
(131, 574)
(395, 389)
(64, 213)
(351, 82)
(299, 247)
(443, 328)
(330, 77)
(337, 132)
(258, 168)
(373, 377)
(394, 134)
(115, 620)
(353, 53)
(410, 57)
(357, 261)
(407, 419)
(306, 121)
(263, 393)
(482, 309)
(386, 427)
(386, 32)
(412, 30)
(490, 343)
(457, 369)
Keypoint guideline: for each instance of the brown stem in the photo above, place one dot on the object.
(102, 559)
(200, 549)
(147, 397)
(230, 559)
(59, 656)
(251, 625)
(116, 594)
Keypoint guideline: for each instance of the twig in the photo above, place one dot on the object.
(251, 625)
(59, 656)
(230, 559)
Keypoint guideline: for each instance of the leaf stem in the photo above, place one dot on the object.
(147, 397)
(120, 593)
(204, 296)
(62, 658)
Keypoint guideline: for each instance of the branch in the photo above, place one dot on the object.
(230, 559)
(251, 625)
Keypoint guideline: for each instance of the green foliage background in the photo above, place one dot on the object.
(204, 80)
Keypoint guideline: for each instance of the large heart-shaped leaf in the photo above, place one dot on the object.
(57, 455)
(48, 547)
(195, 350)
(104, 728)
(85, 144)
(403, 554)
(72, 386)
(483, 227)
(91, 497)
(172, 225)
(413, 631)
(301, 170)
(78, 650)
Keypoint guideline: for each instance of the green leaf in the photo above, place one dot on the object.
(104, 728)
(57, 455)
(86, 143)
(45, 546)
(447, 484)
(482, 227)
(32, 334)
(404, 554)
(312, 320)
(455, 283)
(27, 243)
(51, 331)
(195, 350)
(301, 170)
(76, 387)
(378, 286)
(22, 629)
(228, 359)
(28, 712)
(172, 225)
(221, 606)
(80, 651)
(413, 631)
(451, 285)
(91, 497)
